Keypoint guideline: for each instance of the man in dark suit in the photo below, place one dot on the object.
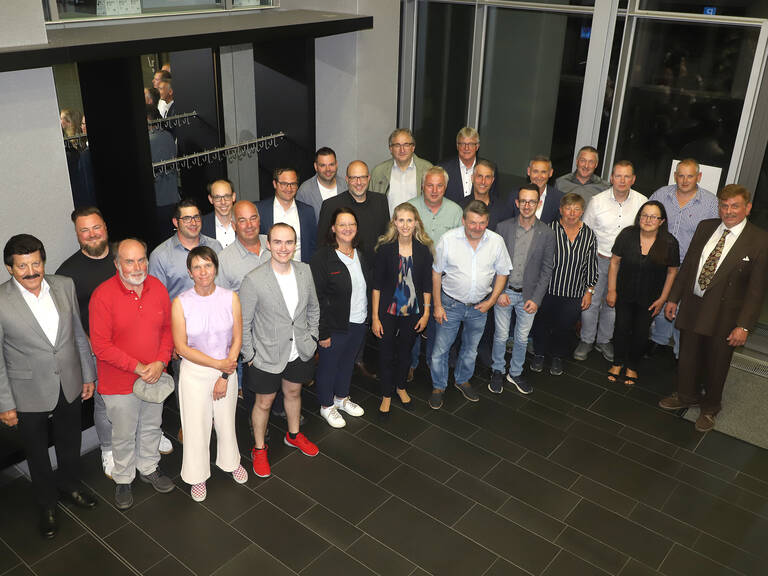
(720, 291)
(483, 181)
(283, 207)
(531, 246)
(461, 167)
(219, 223)
(46, 369)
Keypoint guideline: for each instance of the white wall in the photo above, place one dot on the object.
(35, 193)
(356, 80)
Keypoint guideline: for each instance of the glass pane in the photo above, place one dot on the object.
(759, 217)
(684, 97)
(750, 8)
(72, 9)
(530, 105)
(610, 87)
(441, 90)
(567, 2)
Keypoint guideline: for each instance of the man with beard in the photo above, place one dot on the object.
(324, 184)
(131, 337)
(89, 267)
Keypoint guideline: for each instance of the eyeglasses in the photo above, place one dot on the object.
(288, 184)
(527, 202)
(467, 144)
(650, 217)
(222, 198)
(358, 178)
(403, 146)
(352, 225)
(188, 219)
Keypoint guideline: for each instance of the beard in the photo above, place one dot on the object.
(136, 279)
(95, 250)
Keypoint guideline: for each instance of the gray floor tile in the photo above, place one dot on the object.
(456, 451)
(330, 526)
(254, 560)
(378, 557)
(333, 562)
(82, 556)
(593, 551)
(683, 561)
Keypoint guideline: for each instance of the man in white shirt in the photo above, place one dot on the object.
(539, 173)
(165, 105)
(401, 176)
(46, 371)
(608, 213)
(218, 224)
(323, 184)
(468, 275)
(286, 209)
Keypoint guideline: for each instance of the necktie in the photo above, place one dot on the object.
(710, 265)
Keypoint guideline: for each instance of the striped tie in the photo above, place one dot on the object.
(708, 270)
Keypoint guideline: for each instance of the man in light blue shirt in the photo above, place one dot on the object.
(686, 204)
(468, 275)
(168, 262)
(438, 215)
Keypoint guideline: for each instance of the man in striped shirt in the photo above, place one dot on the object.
(686, 204)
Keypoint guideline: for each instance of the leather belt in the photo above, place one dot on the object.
(518, 290)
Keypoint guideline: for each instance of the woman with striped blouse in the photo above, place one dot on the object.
(570, 290)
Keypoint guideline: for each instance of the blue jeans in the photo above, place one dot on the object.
(662, 330)
(429, 332)
(335, 364)
(523, 324)
(445, 333)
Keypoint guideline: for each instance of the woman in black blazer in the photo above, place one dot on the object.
(342, 291)
(401, 297)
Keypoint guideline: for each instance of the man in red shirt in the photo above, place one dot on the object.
(130, 318)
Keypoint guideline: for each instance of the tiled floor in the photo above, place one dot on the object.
(582, 477)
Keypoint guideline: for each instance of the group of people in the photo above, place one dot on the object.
(260, 300)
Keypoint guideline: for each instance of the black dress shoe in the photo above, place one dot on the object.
(80, 498)
(48, 524)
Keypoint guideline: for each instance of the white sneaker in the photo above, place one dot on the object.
(107, 462)
(165, 445)
(332, 416)
(348, 406)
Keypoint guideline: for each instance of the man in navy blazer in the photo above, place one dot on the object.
(284, 207)
(461, 167)
(539, 173)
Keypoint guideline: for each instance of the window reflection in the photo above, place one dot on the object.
(532, 85)
(443, 62)
(684, 96)
(747, 8)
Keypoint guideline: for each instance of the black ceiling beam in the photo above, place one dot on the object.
(79, 43)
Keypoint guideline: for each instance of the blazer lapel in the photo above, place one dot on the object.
(18, 303)
(735, 254)
(60, 301)
(300, 281)
(274, 288)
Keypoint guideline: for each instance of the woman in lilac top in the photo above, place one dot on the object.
(207, 326)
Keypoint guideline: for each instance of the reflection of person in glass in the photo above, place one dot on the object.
(162, 147)
(207, 329)
(644, 262)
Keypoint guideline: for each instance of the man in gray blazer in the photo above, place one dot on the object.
(281, 318)
(531, 246)
(323, 184)
(46, 368)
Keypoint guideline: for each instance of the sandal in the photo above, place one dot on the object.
(630, 381)
(614, 376)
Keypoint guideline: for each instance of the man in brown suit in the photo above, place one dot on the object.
(720, 289)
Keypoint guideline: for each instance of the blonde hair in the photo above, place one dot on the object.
(419, 233)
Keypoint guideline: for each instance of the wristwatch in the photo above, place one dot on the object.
(225, 375)
(590, 290)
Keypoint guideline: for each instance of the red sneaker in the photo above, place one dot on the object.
(260, 462)
(307, 448)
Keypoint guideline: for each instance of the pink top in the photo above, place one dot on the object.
(209, 321)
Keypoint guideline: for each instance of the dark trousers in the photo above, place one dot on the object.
(553, 327)
(33, 427)
(335, 365)
(395, 351)
(630, 333)
(704, 361)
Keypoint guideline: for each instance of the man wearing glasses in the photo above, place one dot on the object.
(218, 224)
(400, 176)
(285, 208)
(461, 168)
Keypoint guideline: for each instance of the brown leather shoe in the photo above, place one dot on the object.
(673, 402)
(705, 423)
(364, 371)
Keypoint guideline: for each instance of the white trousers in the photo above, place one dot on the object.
(198, 412)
